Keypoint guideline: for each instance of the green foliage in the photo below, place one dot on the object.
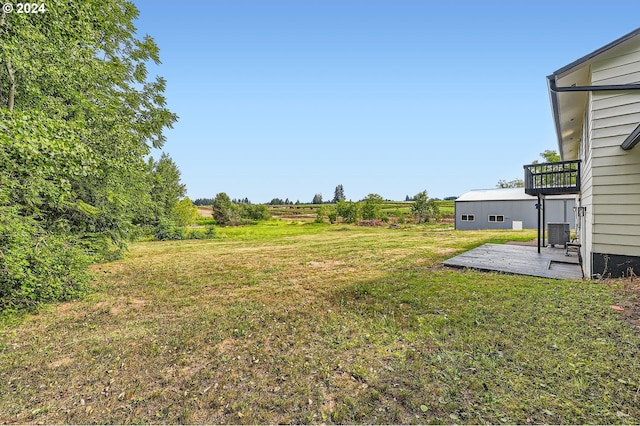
(338, 194)
(424, 208)
(37, 266)
(372, 207)
(549, 156)
(333, 216)
(203, 201)
(317, 199)
(321, 212)
(224, 211)
(254, 212)
(167, 231)
(515, 183)
(185, 213)
(78, 116)
(348, 211)
(166, 190)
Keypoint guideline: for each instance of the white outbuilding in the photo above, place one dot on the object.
(510, 208)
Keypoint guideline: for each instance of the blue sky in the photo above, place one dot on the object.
(289, 98)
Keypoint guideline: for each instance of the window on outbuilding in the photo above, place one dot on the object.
(496, 218)
(468, 217)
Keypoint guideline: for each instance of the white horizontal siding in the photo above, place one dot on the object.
(618, 160)
(609, 100)
(612, 229)
(618, 190)
(627, 203)
(617, 219)
(615, 174)
(609, 210)
(610, 151)
(615, 239)
(626, 78)
(623, 250)
(622, 68)
(629, 55)
(621, 131)
(627, 118)
(612, 171)
(619, 179)
(615, 109)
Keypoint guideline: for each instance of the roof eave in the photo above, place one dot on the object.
(552, 81)
(554, 110)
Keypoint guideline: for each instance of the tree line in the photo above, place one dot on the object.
(369, 209)
(79, 115)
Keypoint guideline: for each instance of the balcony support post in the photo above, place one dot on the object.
(539, 206)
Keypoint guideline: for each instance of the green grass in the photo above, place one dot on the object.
(287, 322)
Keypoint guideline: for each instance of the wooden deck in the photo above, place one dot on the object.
(520, 260)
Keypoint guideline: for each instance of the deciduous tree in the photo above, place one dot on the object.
(78, 116)
(424, 208)
(372, 207)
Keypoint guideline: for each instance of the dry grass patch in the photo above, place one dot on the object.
(300, 324)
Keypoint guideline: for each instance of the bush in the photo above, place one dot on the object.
(372, 207)
(320, 214)
(254, 212)
(36, 266)
(348, 211)
(167, 231)
(185, 213)
(225, 212)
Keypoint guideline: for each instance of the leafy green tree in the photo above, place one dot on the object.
(254, 211)
(348, 211)
(317, 199)
(185, 213)
(320, 214)
(78, 116)
(224, 211)
(549, 156)
(515, 183)
(166, 189)
(338, 194)
(85, 66)
(372, 207)
(203, 201)
(424, 208)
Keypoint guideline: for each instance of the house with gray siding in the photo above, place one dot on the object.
(595, 102)
(510, 208)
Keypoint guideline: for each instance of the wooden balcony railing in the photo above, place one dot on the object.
(552, 178)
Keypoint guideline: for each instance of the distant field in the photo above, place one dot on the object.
(309, 211)
(204, 212)
(293, 322)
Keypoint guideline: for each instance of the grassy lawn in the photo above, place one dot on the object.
(305, 323)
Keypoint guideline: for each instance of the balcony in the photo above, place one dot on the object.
(552, 178)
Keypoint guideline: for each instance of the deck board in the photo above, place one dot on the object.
(520, 260)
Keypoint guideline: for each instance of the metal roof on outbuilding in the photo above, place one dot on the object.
(506, 194)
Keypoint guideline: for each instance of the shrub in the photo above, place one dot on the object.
(333, 217)
(185, 213)
(166, 232)
(372, 207)
(254, 212)
(424, 208)
(224, 211)
(348, 211)
(37, 266)
(320, 214)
